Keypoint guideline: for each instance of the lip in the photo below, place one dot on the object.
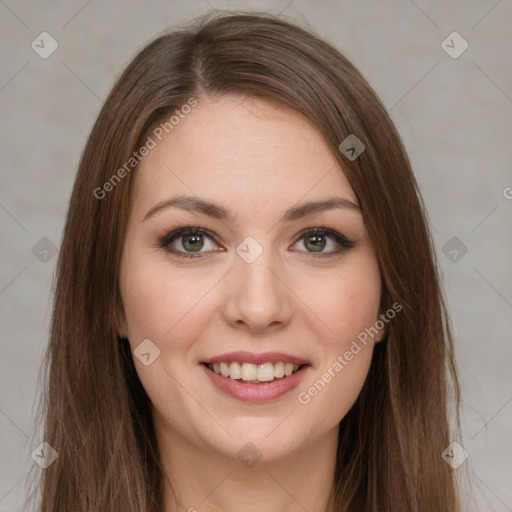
(250, 357)
(262, 392)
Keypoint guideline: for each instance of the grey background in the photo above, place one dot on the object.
(455, 118)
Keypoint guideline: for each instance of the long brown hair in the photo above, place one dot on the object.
(96, 413)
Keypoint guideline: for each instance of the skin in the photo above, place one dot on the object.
(257, 160)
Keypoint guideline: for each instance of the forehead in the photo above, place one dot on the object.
(242, 151)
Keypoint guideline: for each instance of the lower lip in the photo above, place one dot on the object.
(256, 392)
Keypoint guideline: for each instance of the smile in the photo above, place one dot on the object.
(250, 377)
(254, 373)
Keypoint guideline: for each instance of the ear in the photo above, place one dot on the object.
(119, 322)
(379, 337)
(381, 324)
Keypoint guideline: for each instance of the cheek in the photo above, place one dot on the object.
(344, 304)
(159, 303)
(330, 394)
(345, 309)
(346, 352)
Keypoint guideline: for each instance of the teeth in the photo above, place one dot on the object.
(266, 372)
(279, 370)
(224, 369)
(254, 373)
(235, 370)
(249, 371)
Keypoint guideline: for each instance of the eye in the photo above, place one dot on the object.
(315, 240)
(188, 240)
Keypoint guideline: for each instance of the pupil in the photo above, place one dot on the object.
(318, 243)
(196, 246)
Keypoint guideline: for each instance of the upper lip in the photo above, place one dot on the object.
(251, 357)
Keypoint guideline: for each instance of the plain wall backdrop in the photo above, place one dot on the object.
(452, 105)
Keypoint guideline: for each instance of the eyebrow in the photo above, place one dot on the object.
(194, 204)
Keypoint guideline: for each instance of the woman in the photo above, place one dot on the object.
(247, 312)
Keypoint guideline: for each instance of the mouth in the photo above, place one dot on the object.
(255, 377)
(254, 373)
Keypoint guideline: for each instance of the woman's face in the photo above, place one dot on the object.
(218, 317)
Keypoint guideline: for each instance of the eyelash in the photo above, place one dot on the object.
(343, 242)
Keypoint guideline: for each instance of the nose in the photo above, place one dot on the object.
(256, 295)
